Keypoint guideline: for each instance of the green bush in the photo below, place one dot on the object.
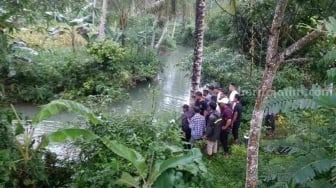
(155, 141)
(22, 166)
(104, 69)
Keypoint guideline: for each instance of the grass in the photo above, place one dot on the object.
(228, 172)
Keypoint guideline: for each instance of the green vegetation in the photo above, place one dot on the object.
(104, 68)
(51, 53)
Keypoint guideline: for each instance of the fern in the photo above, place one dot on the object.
(304, 158)
(290, 99)
(308, 166)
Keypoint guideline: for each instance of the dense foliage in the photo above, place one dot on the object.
(104, 69)
(53, 52)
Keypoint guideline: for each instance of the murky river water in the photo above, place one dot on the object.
(167, 94)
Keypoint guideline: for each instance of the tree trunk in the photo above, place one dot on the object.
(273, 60)
(173, 31)
(101, 33)
(123, 20)
(164, 31)
(198, 50)
(156, 19)
(93, 12)
(73, 41)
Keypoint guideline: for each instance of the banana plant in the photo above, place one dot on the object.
(147, 170)
(46, 111)
(150, 172)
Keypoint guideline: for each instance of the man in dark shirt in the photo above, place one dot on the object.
(270, 124)
(201, 104)
(226, 113)
(186, 116)
(213, 129)
(237, 113)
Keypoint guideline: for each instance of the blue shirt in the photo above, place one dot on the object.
(197, 126)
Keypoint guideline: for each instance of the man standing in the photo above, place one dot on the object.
(201, 104)
(207, 96)
(226, 113)
(187, 114)
(237, 113)
(217, 91)
(270, 124)
(213, 129)
(233, 92)
(197, 126)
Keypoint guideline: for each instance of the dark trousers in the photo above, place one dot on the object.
(186, 139)
(235, 130)
(224, 137)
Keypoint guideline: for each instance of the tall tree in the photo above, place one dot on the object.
(103, 20)
(198, 50)
(273, 59)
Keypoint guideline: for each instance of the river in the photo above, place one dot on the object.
(166, 94)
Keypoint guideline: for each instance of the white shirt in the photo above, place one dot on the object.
(232, 95)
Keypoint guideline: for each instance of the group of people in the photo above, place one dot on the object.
(214, 115)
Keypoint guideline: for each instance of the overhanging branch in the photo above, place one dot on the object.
(300, 43)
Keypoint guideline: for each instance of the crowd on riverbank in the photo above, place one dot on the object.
(215, 114)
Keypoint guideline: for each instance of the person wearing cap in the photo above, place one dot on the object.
(226, 114)
(186, 115)
(197, 126)
(233, 92)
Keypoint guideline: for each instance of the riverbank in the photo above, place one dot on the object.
(103, 69)
(166, 93)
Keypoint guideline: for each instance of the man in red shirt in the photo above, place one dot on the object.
(226, 113)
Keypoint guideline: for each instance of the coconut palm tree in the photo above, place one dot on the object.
(198, 50)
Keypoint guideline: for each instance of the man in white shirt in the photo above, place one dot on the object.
(233, 92)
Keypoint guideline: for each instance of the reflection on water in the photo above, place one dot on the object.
(168, 93)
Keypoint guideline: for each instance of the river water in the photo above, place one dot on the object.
(166, 94)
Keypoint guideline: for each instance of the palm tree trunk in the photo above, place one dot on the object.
(198, 50)
(156, 19)
(164, 31)
(273, 60)
(101, 33)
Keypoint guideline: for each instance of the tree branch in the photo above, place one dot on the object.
(223, 9)
(300, 43)
(273, 41)
(299, 60)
